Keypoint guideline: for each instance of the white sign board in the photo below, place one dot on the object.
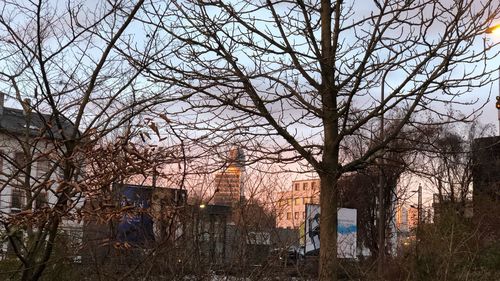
(346, 231)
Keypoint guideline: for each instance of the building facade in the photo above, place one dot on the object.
(29, 165)
(291, 205)
(486, 167)
(229, 184)
(486, 184)
(402, 223)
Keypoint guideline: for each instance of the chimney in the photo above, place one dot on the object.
(26, 104)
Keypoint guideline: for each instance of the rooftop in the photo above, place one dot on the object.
(16, 121)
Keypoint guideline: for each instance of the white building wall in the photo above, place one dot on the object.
(9, 146)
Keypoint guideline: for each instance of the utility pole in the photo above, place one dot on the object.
(381, 187)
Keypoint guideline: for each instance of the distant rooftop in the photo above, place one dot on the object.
(16, 121)
(487, 141)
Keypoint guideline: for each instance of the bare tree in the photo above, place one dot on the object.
(447, 152)
(294, 79)
(73, 130)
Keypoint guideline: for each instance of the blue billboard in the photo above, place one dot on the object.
(136, 224)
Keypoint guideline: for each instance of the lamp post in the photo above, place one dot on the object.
(381, 186)
(495, 29)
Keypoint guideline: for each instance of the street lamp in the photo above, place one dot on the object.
(495, 29)
(381, 186)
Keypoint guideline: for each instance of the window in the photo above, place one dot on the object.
(19, 159)
(16, 202)
(313, 185)
(305, 186)
(297, 187)
(42, 168)
(19, 166)
(297, 201)
(296, 215)
(306, 200)
(41, 200)
(75, 240)
(289, 215)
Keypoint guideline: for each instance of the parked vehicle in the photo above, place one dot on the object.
(287, 256)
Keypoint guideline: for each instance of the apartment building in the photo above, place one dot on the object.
(29, 169)
(291, 207)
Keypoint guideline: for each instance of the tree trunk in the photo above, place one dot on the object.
(329, 170)
(328, 265)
